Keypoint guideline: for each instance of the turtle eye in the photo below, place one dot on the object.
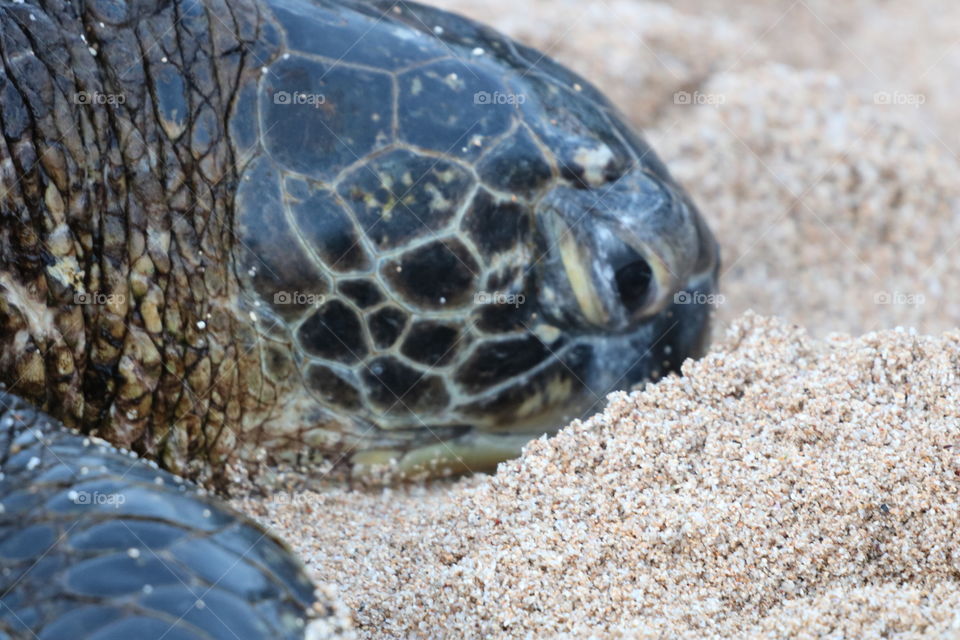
(633, 279)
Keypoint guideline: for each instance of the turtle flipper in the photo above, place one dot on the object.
(97, 543)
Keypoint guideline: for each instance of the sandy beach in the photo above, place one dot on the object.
(801, 480)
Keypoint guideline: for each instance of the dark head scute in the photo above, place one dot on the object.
(350, 36)
(453, 107)
(385, 325)
(495, 362)
(402, 195)
(431, 343)
(363, 293)
(567, 372)
(534, 62)
(333, 332)
(438, 275)
(495, 225)
(333, 388)
(397, 389)
(516, 165)
(503, 317)
(328, 229)
(271, 257)
(318, 118)
(449, 28)
(588, 149)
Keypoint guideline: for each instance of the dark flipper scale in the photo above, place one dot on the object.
(95, 543)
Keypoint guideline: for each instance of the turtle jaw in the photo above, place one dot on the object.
(653, 349)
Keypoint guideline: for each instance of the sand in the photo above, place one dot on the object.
(796, 482)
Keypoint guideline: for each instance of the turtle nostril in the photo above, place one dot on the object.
(633, 284)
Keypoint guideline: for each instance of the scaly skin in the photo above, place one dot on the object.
(93, 541)
(126, 211)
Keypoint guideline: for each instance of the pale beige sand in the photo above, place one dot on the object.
(794, 483)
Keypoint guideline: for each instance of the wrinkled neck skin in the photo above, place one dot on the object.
(118, 308)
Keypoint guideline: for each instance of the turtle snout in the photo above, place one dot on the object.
(615, 257)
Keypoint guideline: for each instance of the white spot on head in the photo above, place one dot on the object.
(133, 552)
(478, 51)
(164, 59)
(593, 162)
(33, 463)
(201, 325)
(438, 30)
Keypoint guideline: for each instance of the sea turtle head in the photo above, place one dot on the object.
(465, 254)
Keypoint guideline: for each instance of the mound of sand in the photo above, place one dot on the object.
(784, 485)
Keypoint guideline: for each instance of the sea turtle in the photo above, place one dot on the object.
(328, 235)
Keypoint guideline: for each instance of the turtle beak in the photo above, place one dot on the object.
(622, 252)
